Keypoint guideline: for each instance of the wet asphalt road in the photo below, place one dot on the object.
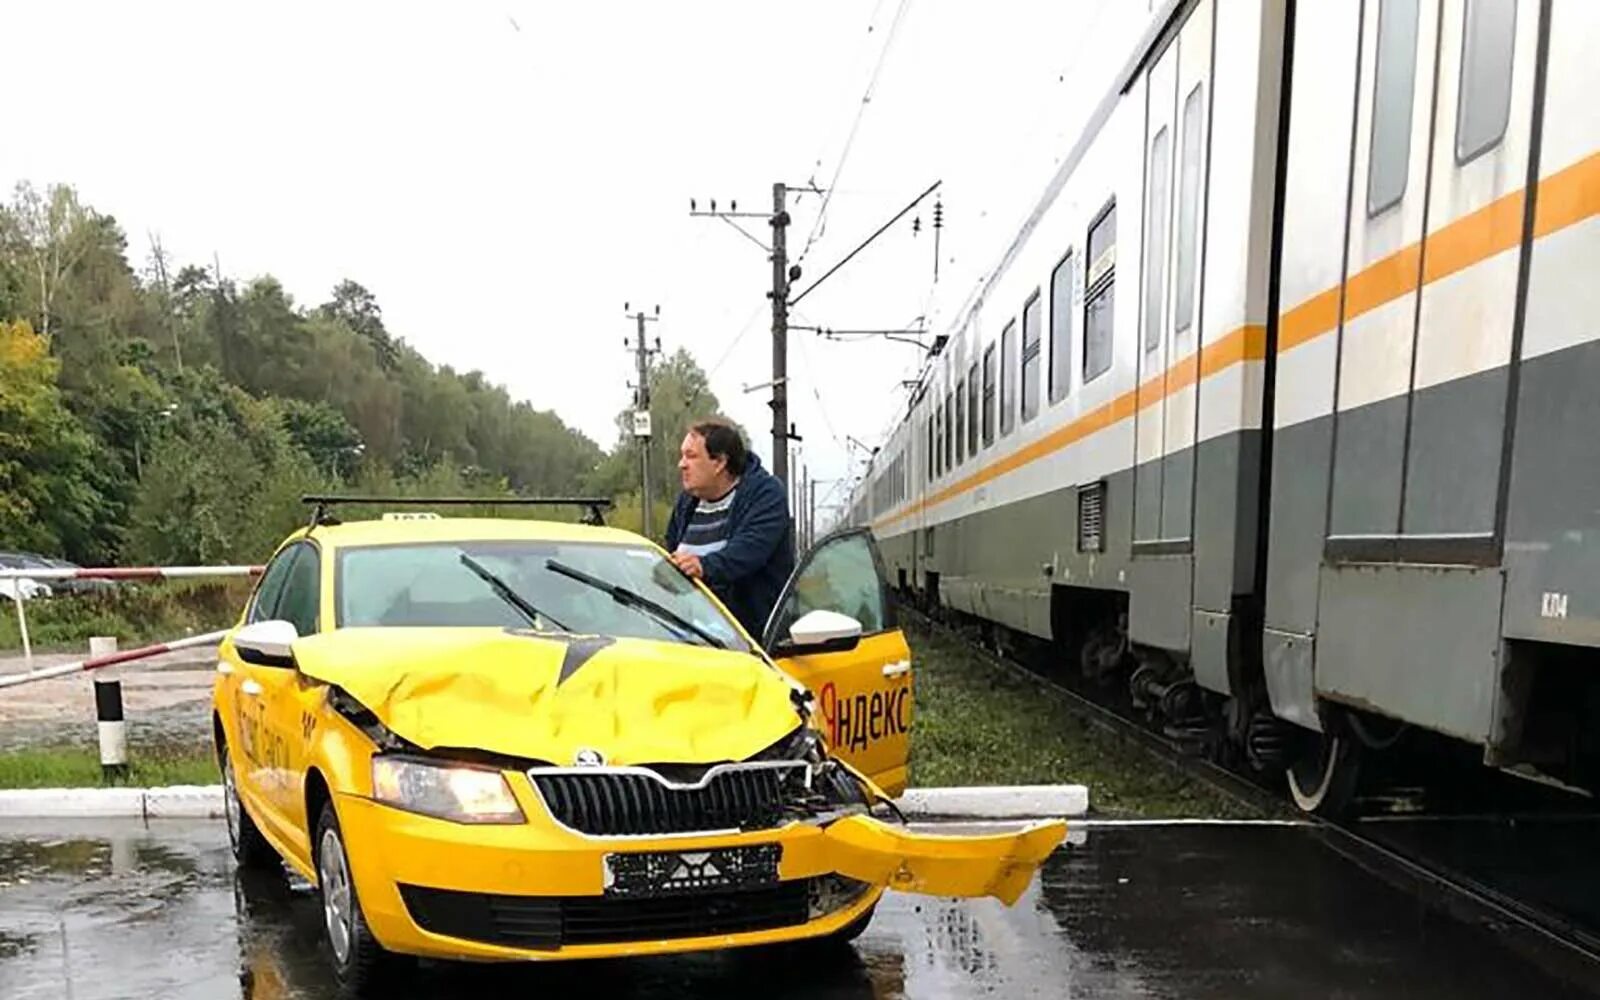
(113, 909)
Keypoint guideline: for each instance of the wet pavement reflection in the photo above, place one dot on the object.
(115, 909)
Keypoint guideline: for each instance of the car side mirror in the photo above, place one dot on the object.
(266, 643)
(820, 631)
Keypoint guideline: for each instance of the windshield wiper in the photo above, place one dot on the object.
(503, 591)
(633, 599)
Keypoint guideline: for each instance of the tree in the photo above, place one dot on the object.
(47, 232)
(358, 309)
(48, 497)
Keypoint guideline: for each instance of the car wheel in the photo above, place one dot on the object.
(359, 961)
(250, 848)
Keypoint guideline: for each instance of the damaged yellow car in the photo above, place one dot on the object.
(504, 739)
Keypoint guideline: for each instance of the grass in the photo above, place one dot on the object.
(136, 613)
(79, 767)
(977, 724)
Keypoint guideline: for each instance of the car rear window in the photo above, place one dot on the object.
(427, 585)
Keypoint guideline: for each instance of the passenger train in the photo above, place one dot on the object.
(1282, 403)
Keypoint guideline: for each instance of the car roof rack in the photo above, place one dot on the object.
(321, 504)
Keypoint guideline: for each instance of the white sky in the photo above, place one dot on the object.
(504, 176)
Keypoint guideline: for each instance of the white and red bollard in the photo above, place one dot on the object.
(108, 714)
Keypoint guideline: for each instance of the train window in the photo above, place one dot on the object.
(949, 437)
(1061, 329)
(988, 396)
(1030, 357)
(1155, 272)
(972, 410)
(1099, 293)
(1008, 377)
(927, 450)
(1188, 207)
(1393, 90)
(961, 421)
(1484, 105)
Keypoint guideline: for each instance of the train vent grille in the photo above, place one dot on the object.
(1092, 517)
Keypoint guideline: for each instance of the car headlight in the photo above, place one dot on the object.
(447, 791)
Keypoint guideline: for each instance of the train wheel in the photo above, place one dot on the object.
(1322, 779)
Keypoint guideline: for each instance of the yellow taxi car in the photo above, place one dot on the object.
(505, 739)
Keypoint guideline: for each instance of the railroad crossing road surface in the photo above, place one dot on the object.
(128, 910)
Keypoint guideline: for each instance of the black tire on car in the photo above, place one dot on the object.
(250, 849)
(359, 961)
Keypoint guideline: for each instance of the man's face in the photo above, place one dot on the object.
(698, 472)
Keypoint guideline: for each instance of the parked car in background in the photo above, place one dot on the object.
(25, 587)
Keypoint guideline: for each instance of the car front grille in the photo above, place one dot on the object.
(639, 802)
(548, 922)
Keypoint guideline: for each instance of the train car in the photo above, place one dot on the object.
(1279, 404)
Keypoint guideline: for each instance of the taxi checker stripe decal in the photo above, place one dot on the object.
(1566, 197)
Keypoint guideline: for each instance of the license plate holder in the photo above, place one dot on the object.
(671, 873)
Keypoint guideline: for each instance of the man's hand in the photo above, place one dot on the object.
(688, 565)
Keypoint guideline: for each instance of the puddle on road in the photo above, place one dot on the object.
(118, 911)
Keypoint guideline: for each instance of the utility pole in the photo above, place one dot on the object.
(811, 513)
(641, 406)
(780, 334)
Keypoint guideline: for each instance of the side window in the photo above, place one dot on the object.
(1008, 368)
(1061, 329)
(949, 437)
(1099, 293)
(1484, 105)
(839, 576)
(265, 602)
(972, 410)
(1189, 207)
(961, 421)
(1393, 90)
(988, 396)
(1155, 244)
(1030, 358)
(302, 591)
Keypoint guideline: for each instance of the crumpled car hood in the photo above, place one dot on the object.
(547, 697)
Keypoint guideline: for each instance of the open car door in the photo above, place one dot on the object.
(862, 687)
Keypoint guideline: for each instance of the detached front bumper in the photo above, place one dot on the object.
(537, 891)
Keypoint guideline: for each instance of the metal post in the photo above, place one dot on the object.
(108, 714)
(22, 623)
(780, 335)
(811, 513)
(642, 354)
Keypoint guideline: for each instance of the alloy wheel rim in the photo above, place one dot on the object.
(337, 901)
(230, 802)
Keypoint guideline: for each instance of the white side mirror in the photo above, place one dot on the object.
(824, 628)
(267, 643)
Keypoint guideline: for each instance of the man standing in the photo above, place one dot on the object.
(731, 526)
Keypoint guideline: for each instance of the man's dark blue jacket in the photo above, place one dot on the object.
(749, 572)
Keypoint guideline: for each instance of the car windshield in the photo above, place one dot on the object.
(426, 584)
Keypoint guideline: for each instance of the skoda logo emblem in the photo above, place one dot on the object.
(588, 757)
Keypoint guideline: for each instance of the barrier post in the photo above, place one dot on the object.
(108, 714)
(22, 624)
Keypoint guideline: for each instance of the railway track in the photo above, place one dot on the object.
(1368, 840)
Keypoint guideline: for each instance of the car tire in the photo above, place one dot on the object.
(360, 963)
(251, 850)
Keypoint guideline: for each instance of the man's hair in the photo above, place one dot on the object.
(723, 440)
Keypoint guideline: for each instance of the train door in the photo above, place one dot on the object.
(1383, 257)
(1483, 128)
(1176, 112)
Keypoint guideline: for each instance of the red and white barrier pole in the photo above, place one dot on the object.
(111, 659)
(128, 572)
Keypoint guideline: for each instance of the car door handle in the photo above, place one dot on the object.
(250, 687)
(899, 669)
